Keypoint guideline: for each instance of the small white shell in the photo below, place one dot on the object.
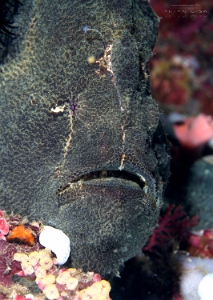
(57, 241)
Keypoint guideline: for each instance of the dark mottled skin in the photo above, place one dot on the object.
(45, 152)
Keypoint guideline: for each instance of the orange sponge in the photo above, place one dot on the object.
(20, 234)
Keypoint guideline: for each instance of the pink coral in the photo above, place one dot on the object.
(184, 32)
(4, 228)
(172, 225)
(8, 267)
(201, 244)
(194, 131)
(170, 82)
(19, 297)
(174, 23)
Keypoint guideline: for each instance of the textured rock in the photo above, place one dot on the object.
(199, 191)
(81, 144)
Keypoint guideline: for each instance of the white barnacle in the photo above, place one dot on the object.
(57, 241)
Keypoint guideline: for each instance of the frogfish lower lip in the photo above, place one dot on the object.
(128, 178)
(108, 176)
(110, 214)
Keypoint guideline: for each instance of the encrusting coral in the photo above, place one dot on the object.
(22, 255)
(8, 247)
(61, 283)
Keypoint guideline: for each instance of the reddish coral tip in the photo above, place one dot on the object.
(4, 228)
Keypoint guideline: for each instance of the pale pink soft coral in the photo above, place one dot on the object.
(20, 297)
(194, 131)
(4, 228)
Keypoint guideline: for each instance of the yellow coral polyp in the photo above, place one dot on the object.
(21, 257)
(48, 279)
(63, 277)
(98, 291)
(44, 253)
(73, 271)
(72, 283)
(34, 258)
(40, 273)
(51, 292)
(46, 262)
(27, 268)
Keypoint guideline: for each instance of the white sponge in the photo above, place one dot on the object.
(195, 282)
(57, 241)
(205, 288)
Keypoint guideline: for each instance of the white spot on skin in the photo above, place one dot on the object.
(146, 189)
(121, 167)
(58, 109)
(141, 177)
(57, 241)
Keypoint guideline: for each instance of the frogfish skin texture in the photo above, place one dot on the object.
(81, 145)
